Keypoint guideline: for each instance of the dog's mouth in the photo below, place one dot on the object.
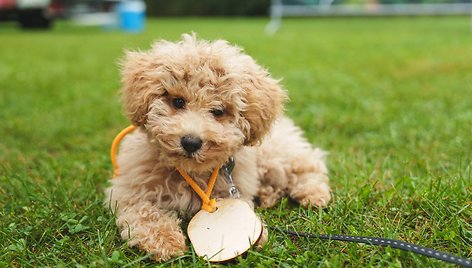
(209, 156)
(192, 156)
(200, 156)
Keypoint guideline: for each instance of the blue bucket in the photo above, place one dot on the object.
(132, 15)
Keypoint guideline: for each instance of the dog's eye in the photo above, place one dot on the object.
(217, 112)
(178, 103)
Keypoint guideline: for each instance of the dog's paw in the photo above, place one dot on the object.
(317, 195)
(269, 195)
(164, 248)
(166, 252)
(170, 254)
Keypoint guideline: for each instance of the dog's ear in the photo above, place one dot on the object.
(265, 100)
(140, 87)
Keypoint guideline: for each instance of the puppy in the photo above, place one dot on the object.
(196, 104)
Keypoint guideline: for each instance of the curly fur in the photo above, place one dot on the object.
(272, 157)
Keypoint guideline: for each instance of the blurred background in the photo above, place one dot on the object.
(129, 14)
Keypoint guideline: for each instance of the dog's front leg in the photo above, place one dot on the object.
(154, 230)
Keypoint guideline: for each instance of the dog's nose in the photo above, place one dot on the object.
(191, 144)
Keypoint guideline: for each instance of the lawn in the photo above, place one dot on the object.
(390, 99)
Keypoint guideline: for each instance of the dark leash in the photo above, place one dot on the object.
(385, 242)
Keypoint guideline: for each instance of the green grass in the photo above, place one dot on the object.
(390, 99)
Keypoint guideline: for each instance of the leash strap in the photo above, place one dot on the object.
(207, 203)
(385, 242)
(114, 147)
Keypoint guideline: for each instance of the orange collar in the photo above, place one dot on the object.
(115, 144)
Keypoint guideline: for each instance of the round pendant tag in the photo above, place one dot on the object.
(225, 233)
